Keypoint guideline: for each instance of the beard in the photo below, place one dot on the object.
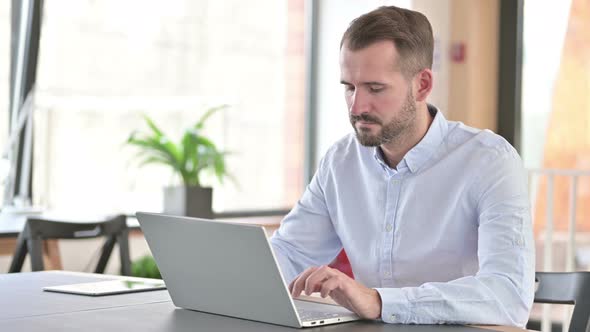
(393, 131)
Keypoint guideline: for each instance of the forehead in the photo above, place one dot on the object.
(378, 59)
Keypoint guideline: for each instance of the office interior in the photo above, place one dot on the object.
(518, 68)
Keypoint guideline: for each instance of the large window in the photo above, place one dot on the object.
(540, 69)
(4, 79)
(556, 109)
(103, 64)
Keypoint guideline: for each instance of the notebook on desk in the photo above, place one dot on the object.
(228, 269)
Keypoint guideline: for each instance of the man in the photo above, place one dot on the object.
(433, 215)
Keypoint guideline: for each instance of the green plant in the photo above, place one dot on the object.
(187, 158)
(145, 267)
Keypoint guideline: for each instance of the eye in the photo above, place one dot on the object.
(348, 87)
(376, 88)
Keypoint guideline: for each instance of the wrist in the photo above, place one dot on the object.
(376, 312)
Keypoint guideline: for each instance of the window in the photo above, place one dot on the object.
(540, 69)
(103, 64)
(555, 111)
(4, 80)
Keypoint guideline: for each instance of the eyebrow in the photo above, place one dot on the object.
(364, 83)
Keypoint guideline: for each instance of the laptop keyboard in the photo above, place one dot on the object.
(307, 315)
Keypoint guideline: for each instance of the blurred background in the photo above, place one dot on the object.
(96, 68)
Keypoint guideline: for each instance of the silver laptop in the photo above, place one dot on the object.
(228, 269)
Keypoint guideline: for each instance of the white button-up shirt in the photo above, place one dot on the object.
(445, 237)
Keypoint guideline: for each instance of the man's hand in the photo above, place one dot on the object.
(347, 292)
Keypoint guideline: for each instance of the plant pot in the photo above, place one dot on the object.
(188, 201)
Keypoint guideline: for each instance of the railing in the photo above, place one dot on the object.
(550, 175)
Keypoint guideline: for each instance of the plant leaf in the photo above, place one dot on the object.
(155, 160)
(153, 126)
(159, 147)
(211, 111)
(193, 153)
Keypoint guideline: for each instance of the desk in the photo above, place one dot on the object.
(25, 307)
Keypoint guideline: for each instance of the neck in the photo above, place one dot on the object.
(395, 151)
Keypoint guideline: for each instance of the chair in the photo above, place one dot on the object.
(567, 288)
(39, 228)
(342, 264)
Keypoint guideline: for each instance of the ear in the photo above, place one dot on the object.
(423, 84)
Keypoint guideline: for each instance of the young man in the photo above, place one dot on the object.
(433, 215)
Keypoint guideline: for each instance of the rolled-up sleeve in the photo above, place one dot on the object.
(502, 291)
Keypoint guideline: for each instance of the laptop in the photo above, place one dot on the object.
(228, 269)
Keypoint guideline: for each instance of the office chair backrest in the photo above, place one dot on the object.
(567, 288)
(39, 228)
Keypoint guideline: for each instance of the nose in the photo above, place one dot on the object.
(358, 103)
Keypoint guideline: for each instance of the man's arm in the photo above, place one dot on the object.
(502, 291)
(306, 236)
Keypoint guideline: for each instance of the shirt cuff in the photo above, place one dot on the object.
(396, 308)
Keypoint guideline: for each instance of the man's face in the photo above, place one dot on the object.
(381, 105)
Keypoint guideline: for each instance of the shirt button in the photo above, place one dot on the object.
(387, 274)
(388, 227)
(392, 316)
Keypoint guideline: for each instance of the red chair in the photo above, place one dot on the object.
(342, 264)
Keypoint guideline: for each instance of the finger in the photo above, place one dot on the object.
(315, 280)
(292, 283)
(299, 283)
(329, 286)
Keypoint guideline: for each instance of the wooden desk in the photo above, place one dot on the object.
(25, 307)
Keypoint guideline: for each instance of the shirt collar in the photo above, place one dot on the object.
(420, 153)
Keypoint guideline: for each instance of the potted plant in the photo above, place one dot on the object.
(188, 158)
(145, 267)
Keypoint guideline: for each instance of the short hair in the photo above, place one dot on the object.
(409, 30)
